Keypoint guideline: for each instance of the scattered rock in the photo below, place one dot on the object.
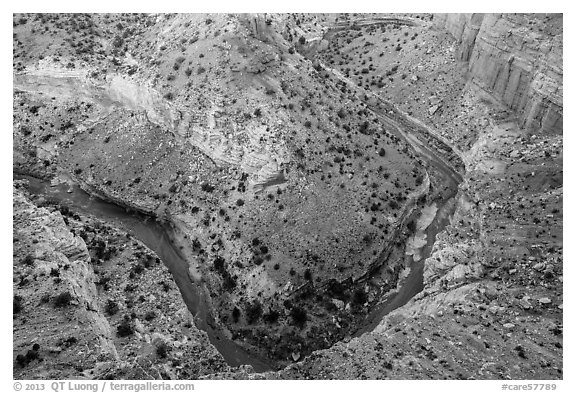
(433, 109)
(539, 266)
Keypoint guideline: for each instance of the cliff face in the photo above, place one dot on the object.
(463, 27)
(517, 59)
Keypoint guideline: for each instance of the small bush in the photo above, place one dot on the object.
(299, 316)
(236, 314)
(359, 297)
(150, 315)
(125, 328)
(253, 312)
(111, 307)
(162, 350)
(63, 300)
(117, 42)
(207, 187)
(28, 260)
(17, 304)
(271, 317)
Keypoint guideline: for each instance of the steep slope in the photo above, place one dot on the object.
(87, 299)
(492, 300)
(280, 183)
(517, 58)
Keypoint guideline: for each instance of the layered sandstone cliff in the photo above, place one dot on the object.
(517, 59)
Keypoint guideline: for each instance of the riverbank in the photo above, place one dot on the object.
(160, 239)
(110, 305)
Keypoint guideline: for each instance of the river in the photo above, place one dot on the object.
(156, 237)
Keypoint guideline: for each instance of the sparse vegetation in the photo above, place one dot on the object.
(63, 299)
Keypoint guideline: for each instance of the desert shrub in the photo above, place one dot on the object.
(28, 260)
(271, 316)
(117, 42)
(125, 328)
(63, 299)
(17, 304)
(25, 130)
(359, 297)
(219, 264)
(162, 350)
(150, 315)
(336, 289)
(207, 187)
(111, 307)
(69, 342)
(229, 282)
(137, 268)
(253, 312)
(236, 314)
(32, 354)
(299, 316)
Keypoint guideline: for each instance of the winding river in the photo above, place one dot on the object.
(157, 236)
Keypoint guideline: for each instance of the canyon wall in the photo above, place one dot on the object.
(517, 59)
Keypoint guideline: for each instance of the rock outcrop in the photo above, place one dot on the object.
(463, 27)
(517, 59)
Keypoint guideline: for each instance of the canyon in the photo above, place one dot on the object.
(288, 196)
